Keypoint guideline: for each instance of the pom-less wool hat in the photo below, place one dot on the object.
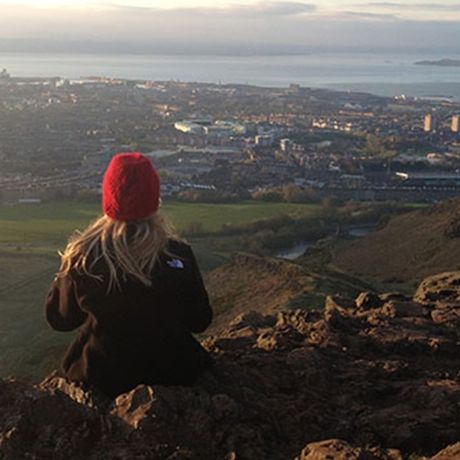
(131, 188)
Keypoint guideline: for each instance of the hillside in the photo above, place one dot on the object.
(410, 247)
(375, 378)
(248, 282)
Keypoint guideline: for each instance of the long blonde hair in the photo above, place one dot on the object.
(129, 249)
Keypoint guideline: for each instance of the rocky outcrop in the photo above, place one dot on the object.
(377, 379)
(444, 291)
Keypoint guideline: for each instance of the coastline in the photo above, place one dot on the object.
(378, 74)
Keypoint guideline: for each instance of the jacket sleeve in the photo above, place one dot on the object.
(61, 306)
(198, 314)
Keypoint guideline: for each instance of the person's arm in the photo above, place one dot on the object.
(198, 314)
(61, 307)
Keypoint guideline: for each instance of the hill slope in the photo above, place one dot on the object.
(249, 282)
(409, 248)
(380, 373)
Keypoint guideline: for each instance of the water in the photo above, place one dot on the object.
(382, 74)
(298, 249)
(295, 251)
(360, 232)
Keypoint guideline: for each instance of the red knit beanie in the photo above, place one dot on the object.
(131, 187)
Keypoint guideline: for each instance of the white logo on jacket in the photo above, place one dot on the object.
(175, 263)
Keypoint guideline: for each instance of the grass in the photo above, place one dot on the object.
(214, 216)
(50, 223)
(30, 236)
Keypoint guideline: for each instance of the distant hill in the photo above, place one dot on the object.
(441, 63)
(410, 247)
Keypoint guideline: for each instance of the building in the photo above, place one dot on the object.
(224, 128)
(188, 127)
(285, 145)
(428, 123)
(352, 180)
(237, 128)
(455, 126)
(206, 126)
(194, 125)
(429, 179)
(218, 131)
(264, 140)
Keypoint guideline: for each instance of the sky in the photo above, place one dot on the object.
(252, 26)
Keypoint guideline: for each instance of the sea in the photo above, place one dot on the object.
(376, 73)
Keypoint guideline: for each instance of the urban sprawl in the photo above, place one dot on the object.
(226, 142)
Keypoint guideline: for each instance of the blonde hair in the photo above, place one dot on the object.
(127, 248)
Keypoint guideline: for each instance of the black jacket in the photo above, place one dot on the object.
(135, 334)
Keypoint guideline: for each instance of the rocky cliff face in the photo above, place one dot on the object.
(377, 379)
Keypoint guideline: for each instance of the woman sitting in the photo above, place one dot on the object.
(133, 289)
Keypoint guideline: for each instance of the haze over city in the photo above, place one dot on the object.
(229, 27)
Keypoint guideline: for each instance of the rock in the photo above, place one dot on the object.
(146, 406)
(254, 319)
(286, 338)
(367, 300)
(398, 309)
(449, 453)
(42, 424)
(336, 449)
(447, 313)
(337, 303)
(80, 393)
(393, 296)
(445, 287)
(298, 319)
(375, 372)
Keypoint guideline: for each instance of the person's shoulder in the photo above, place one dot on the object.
(179, 248)
(178, 255)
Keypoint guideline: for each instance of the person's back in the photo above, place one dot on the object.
(135, 292)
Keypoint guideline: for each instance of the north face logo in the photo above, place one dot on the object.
(175, 263)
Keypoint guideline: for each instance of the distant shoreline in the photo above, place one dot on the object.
(379, 74)
(440, 63)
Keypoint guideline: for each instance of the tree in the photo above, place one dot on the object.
(377, 148)
(292, 193)
(374, 145)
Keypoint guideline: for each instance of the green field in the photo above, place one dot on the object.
(214, 216)
(30, 236)
(49, 224)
